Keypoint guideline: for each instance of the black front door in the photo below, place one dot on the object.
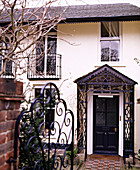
(106, 115)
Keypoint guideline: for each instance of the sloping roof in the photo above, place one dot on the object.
(85, 13)
(120, 11)
(99, 71)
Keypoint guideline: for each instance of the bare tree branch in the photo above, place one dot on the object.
(22, 27)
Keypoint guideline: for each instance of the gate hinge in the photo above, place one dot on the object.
(11, 160)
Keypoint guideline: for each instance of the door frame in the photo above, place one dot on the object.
(90, 123)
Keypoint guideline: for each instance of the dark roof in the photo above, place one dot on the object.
(86, 13)
(105, 68)
(101, 12)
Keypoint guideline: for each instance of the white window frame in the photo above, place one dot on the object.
(112, 63)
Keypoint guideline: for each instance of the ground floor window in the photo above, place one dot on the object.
(50, 110)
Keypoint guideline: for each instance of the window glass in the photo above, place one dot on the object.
(46, 63)
(37, 92)
(49, 116)
(100, 118)
(49, 109)
(105, 29)
(110, 41)
(114, 50)
(51, 45)
(5, 49)
(40, 54)
(51, 55)
(111, 112)
(100, 112)
(105, 45)
(9, 67)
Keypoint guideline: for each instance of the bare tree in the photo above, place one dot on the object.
(21, 29)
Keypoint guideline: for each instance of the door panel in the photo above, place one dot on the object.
(106, 125)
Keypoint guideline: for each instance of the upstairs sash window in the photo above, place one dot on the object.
(46, 56)
(110, 42)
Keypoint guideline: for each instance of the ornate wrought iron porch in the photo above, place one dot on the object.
(106, 79)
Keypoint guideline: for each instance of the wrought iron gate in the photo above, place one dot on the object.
(44, 135)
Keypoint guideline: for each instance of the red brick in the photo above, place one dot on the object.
(6, 105)
(2, 115)
(1, 105)
(8, 86)
(4, 126)
(9, 154)
(12, 115)
(10, 135)
(6, 167)
(2, 160)
(19, 88)
(6, 147)
(3, 138)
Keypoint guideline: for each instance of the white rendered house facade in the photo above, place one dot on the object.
(96, 48)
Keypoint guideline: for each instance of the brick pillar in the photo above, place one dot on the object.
(11, 95)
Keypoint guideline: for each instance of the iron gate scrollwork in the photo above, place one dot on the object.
(45, 133)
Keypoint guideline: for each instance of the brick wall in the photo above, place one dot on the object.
(10, 99)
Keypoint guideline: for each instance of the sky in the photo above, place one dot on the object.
(84, 2)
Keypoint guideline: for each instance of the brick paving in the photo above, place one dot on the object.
(103, 165)
(103, 162)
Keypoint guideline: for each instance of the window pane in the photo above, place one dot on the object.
(114, 31)
(51, 65)
(40, 49)
(105, 50)
(100, 112)
(105, 29)
(111, 112)
(37, 92)
(49, 118)
(51, 45)
(9, 68)
(100, 118)
(51, 57)
(100, 105)
(114, 50)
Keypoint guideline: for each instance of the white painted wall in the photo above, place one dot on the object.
(79, 45)
(81, 58)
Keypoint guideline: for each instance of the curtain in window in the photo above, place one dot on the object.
(110, 29)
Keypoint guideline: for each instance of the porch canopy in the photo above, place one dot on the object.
(106, 79)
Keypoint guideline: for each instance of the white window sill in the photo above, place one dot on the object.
(112, 64)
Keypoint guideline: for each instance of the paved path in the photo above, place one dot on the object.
(103, 162)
